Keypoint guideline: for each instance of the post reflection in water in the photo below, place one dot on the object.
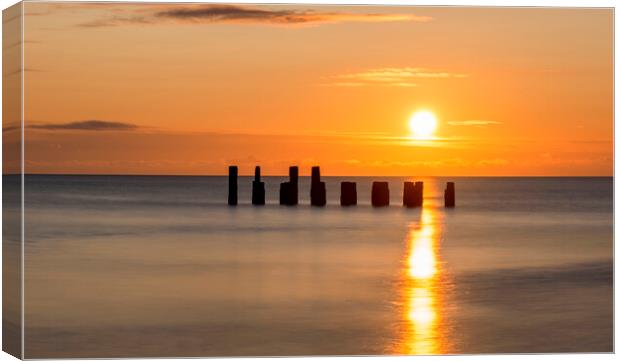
(423, 331)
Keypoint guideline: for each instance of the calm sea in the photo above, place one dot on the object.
(120, 266)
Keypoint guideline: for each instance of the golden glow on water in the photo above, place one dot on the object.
(422, 260)
(421, 289)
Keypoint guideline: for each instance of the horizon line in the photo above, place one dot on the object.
(308, 176)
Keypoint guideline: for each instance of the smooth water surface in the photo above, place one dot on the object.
(120, 266)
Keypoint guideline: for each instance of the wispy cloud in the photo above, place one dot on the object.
(117, 21)
(436, 163)
(91, 125)
(492, 162)
(235, 14)
(19, 71)
(473, 123)
(348, 84)
(11, 128)
(397, 77)
(19, 43)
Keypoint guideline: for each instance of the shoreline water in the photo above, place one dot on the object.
(162, 266)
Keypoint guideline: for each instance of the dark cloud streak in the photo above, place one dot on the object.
(117, 21)
(92, 125)
(19, 71)
(222, 13)
(11, 128)
(207, 14)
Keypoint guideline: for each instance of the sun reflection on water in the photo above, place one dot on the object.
(421, 289)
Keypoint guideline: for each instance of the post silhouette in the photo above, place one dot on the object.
(285, 193)
(380, 194)
(258, 189)
(419, 194)
(409, 195)
(289, 191)
(294, 175)
(449, 195)
(294, 189)
(318, 194)
(413, 194)
(348, 194)
(233, 172)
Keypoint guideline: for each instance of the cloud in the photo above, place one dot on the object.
(348, 84)
(473, 123)
(449, 162)
(19, 71)
(11, 128)
(396, 77)
(437, 163)
(19, 43)
(86, 125)
(233, 13)
(492, 162)
(216, 13)
(118, 21)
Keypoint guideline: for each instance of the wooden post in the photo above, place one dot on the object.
(257, 173)
(316, 175)
(348, 194)
(410, 195)
(284, 193)
(294, 187)
(419, 194)
(258, 189)
(232, 185)
(318, 194)
(380, 194)
(289, 190)
(449, 195)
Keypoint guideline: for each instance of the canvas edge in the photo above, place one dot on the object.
(12, 181)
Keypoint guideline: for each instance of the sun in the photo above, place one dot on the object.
(423, 124)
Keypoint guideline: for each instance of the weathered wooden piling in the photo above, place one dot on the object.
(284, 193)
(380, 194)
(233, 172)
(449, 195)
(258, 189)
(318, 194)
(409, 194)
(413, 194)
(289, 191)
(419, 194)
(348, 194)
(294, 189)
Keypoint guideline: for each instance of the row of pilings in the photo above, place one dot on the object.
(413, 192)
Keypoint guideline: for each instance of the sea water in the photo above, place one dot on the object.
(123, 266)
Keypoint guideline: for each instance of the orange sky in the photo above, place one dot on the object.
(189, 89)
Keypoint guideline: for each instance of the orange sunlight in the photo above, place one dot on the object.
(423, 124)
(129, 97)
(423, 333)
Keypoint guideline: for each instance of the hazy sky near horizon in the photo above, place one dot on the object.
(192, 88)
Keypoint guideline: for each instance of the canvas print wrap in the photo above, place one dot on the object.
(12, 246)
(206, 179)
